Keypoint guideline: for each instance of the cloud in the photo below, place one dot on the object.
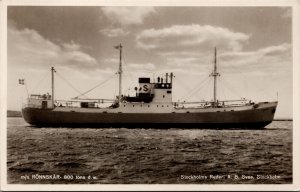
(271, 60)
(132, 67)
(116, 32)
(268, 59)
(27, 48)
(71, 46)
(142, 66)
(190, 37)
(111, 60)
(191, 48)
(30, 56)
(128, 15)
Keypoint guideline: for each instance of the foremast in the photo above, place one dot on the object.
(52, 85)
(215, 74)
(119, 47)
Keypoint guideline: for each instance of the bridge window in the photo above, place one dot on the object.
(169, 91)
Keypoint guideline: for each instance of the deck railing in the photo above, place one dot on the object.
(207, 104)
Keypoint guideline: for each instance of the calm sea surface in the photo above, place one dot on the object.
(148, 156)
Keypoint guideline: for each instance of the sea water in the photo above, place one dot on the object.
(148, 156)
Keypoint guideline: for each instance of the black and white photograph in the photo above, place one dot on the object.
(180, 95)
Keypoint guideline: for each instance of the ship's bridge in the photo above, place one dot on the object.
(158, 92)
(162, 91)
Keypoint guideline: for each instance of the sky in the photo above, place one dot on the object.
(254, 51)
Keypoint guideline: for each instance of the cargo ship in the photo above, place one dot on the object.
(150, 107)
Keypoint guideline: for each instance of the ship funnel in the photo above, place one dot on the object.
(144, 85)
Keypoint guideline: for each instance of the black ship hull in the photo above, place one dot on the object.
(249, 119)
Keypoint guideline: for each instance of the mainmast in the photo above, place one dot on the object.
(52, 85)
(215, 74)
(120, 71)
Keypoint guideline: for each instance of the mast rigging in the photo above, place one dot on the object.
(52, 85)
(119, 47)
(215, 74)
